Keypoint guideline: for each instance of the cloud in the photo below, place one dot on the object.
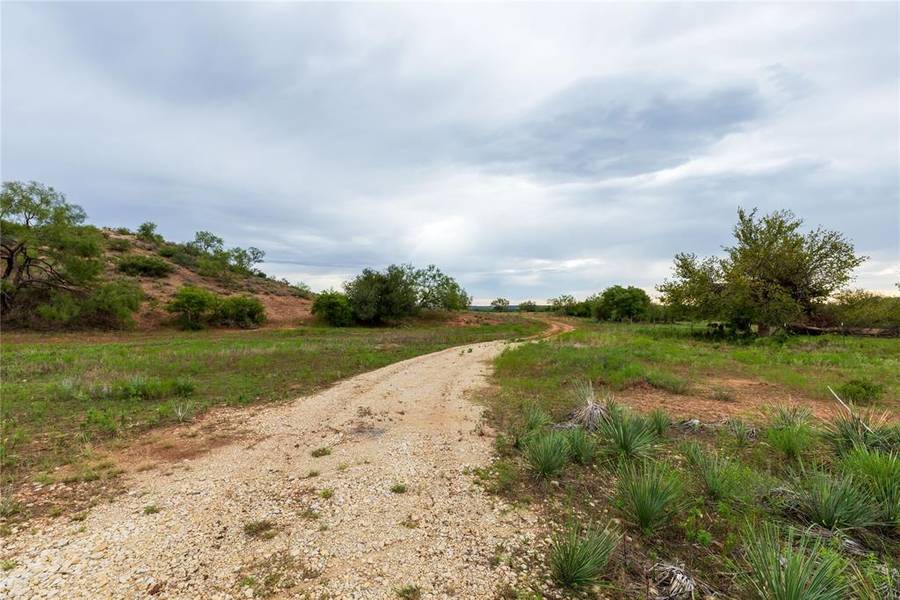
(529, 150)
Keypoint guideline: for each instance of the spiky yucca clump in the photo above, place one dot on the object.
(649, 493)
(834, 503)
(879, 473)
(720, 477)
(870, 430)
(784, 566)
(659, 420)
(582, 447)
(626, 437)
(789, 431)
(536, 418)
(874, 582)
(578, 559)
(547, 453)
(741, 431)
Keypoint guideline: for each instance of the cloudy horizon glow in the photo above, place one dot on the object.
(529, 150)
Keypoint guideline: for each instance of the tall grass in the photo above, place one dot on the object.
(582, 447)
(547, 453)
(649, 493)
(869, 430)
(660, 421)
(785, 566)
(879, 473)
(789, 431)
(578, 559)
(721, 478)
(626, 437)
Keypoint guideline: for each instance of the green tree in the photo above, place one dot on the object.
(207, 242)
(376, 297)
(44, 246)
(193, 306)
(147, 231)
(500, 305)
(528, 306)
(437, 290)
(773, 273)
(563, 303)
(619, 303)
(334, 308)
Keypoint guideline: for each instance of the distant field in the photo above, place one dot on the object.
(64, 392)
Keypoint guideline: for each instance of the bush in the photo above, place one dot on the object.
(111, 305)
(579, 559)
(879, 473)
(847, 432)
(333, 308)
(721, 479)
(528, 306)
(626, 437)
(376, 297)
(789, 431)
(659, 421)
(119, 245)
(790, 567)
(144, 266)
(649, 494)
(193, 306)
(834, 503)
(168, 251)
(239, 311)
(147, 232)
(860, 391)
(547, 453)
(581, 445)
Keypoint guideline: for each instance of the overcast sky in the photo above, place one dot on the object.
(528, 150)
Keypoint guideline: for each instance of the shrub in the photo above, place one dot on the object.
(834, 503)
(847, 432)
(879, 473)
(119, 245)
(789, 431)
(791, 567)
(740, 430)
(333, 308)
(626, 437)
(582, 447)
(147, 232)
(239, 311)
(721, 478)
(398, 488)
(168, 251)
(578, 559)
(144, 266)
(376, 297)
(659, 421)
(547, 453)
(536, 418)
(648, 493)
(860, 391)
(193, 306)
(111, 305)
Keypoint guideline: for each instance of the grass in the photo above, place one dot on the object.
(326, 493)
(62, 392)
(789, 431)
(320, 452)
(151, 509)
(547, 453)
(582, 447)
(721, 478)
(263, 529)
(785, 566)
(398, 488)
(649, 494)
(879, 472)
(408, 592)
(834, 502)
(578, 559)
(626, 437)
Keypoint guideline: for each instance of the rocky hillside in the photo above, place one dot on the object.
(285, 304)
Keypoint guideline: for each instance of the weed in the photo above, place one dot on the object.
(408, 592)
(722, 394)
(667, 381)
(741, 432)
(547, 453)
(721, 479)
(398, 488)
(320, 452)
(582, 447)
(860, 391)
(660, 421)
(151, 509)
(7, 565)
(879, 473)
(648, 493)
(578, 559)
(536, 419)
(312, 473)
(326, 493)
(263, 529)
(784, 566)
(626, 437)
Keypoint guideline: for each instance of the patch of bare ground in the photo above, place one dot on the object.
(718, 399)
(356, 491)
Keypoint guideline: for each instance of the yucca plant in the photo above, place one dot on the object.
(740, 430)
(582, 447)
(720, 477)
(834, 503)
(791, 440)
(879, 473)
(785, 566)
(789, 415)
(626, 437)
(660, 421)
(874, 581)
(536, 418)
(547, 453)
(869, 430)
(578, 559)
(648, 493)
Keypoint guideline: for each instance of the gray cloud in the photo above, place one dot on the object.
(529, 150)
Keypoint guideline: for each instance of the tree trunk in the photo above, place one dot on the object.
(763, 329)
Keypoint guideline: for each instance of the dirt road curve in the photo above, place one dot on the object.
(409, 423)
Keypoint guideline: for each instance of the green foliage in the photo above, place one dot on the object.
(667, 381)
(785, 566)
(547, 453)
(239, 311)
(774, 274)
(500, 305)
(377, 297)
(846, 432)
(333, 308)
(119, 245)
(834, 503)
(169, 250)
(144, 266)
(147, 233)
(193, 306)
(528, 306)
(582, 447)
(659, 421)
(536, 418)
(721, 478)
(860, 308)
(789, 431)
(578, 559)
(879, 474)
(860, 391)
(619, 303)
(437, 290)
(649, 493)
(626, 437)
